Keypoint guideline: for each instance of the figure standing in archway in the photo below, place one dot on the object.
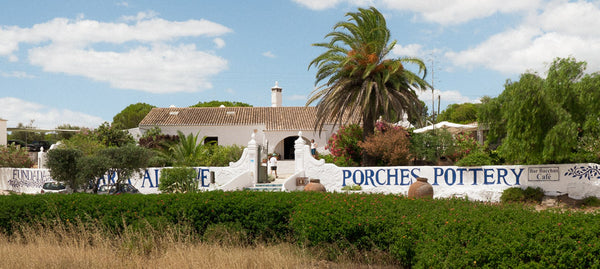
(273, 164)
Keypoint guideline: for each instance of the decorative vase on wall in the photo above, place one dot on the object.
(315, 185)
(420, 189)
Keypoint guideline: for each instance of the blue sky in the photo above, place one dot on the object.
(82, 62)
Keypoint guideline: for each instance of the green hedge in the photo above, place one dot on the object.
(447, 233)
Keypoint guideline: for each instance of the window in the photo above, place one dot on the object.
(211, 140)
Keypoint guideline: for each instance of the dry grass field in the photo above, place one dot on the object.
(73, 246)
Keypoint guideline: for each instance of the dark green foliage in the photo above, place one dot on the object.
(216, 103)
(430, 146)
(591, 201)
(111, 136)
(516, 194)
(178, 179)
(476, 158)
(421, 233)
(63, 166)
(126, 160)
(546, 120)
(131, 116)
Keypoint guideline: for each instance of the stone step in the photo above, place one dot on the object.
(265, 187)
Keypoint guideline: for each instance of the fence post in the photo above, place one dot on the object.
(253, 158)
(299, 153)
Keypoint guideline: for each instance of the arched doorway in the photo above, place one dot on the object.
(288, 147)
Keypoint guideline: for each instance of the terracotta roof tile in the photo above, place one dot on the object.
(274, 118)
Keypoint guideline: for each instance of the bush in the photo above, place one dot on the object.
(389, 145)
(438, 233)
(429, 146)
(178, 179)
(343, 145)
(516, 194)
(477, 158)
(15, 156)
(591, 201)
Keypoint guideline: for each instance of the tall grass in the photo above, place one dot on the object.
(51, 244)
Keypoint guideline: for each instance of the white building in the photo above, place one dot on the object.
(275, 127)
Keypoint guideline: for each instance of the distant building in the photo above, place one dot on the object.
(3, 132)
(275, 127)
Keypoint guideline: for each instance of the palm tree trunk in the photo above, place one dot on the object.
(368, 129)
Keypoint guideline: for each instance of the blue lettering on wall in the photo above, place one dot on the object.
(449, 176)
(475, 174)
(345, 174)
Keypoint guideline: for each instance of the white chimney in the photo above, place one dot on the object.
(275, 96)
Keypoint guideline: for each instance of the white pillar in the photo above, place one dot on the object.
(253, 157)
(299, 153)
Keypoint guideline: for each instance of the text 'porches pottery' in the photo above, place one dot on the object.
(420, 189)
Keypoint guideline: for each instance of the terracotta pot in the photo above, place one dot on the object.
(420, 189)
(315, 185)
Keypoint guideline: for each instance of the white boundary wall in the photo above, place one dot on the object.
(485, 183)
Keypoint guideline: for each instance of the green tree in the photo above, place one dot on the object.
(357, 76)
(216, 103)
(459, 113)
(546, 120)
(62, 163)
(126, 160)
(131, 116)
(113, 137)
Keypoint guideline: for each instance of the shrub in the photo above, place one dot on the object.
(15, 156)
(464, 145)
(516, 194)
(477, 158)
(343, 145)
(591, 201)
(178, 179)
(429, 146)
(389, 145)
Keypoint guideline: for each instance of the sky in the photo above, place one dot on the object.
(82, 62)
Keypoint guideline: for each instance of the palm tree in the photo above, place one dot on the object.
(358, 77)
(187, 151)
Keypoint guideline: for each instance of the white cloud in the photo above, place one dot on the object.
(17, 111)
(219, 42)
(268, 54)
(460, 11)
(16, 74)
(447, 97)
(146, 57)
(413, 50)
(319, 4)
(442, 12)
(561, 29)
(123, 4)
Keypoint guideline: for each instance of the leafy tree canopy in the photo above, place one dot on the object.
(216, 103)
(460, 113)
(546, 120)
(131, 116)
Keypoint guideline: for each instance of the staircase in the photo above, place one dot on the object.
(265, 187)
